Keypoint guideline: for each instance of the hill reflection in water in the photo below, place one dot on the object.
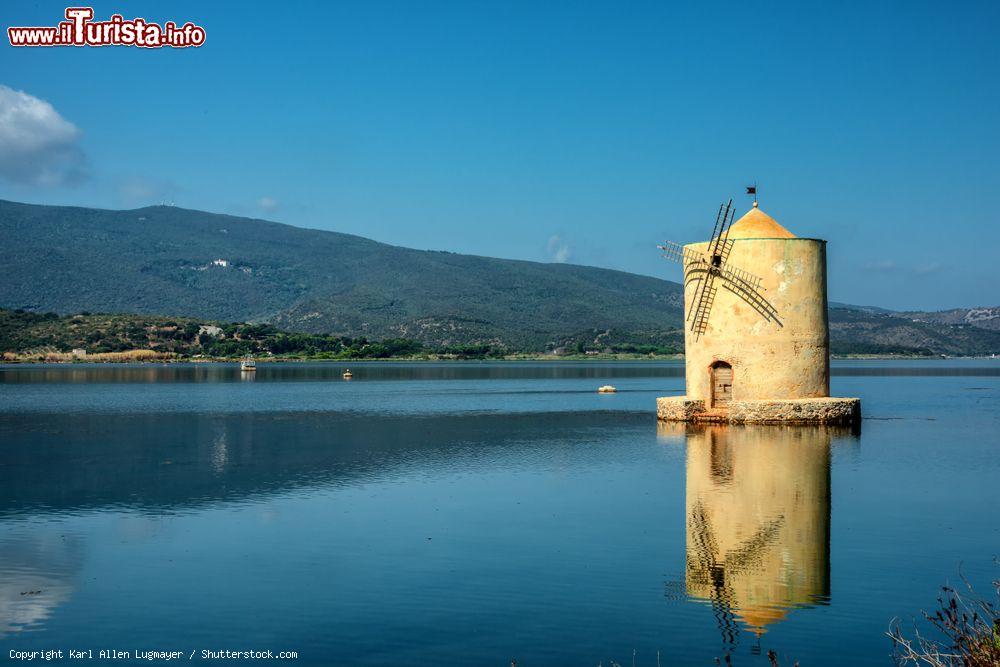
(168, 462)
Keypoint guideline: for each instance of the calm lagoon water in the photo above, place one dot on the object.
(468, 514)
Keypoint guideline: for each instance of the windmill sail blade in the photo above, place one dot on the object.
(678, 253)
(705, 268)
(747, 286)
(749, 553)
(727, 220)
(672, 251)
(720, 233)
(722, 609)
(722, 250)
(718, 219)
(703, 304)
(706, 548)
(704, 568)
(743, 278)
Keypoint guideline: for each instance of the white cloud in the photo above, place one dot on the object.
(37, 145)
(558, 250)
(268, 203)
(929, 268)
(881, 265)
(890, 266)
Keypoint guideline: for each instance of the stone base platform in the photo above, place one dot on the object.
(793, 411)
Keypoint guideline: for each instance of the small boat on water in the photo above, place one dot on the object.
(248, 364)
(606, 389)
(348, 374)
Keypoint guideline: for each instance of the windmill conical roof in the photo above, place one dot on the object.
(758, 617)
(758, 225)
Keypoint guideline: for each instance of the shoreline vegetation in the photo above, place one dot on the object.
(49, 337)
(153, 357)
(31, 337)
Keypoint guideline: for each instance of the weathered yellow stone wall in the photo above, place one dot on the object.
(824, 410)
(770, 360)
(758, 508)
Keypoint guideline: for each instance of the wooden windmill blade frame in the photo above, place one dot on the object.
(709, 571)
(705, 567)
(705, 267)
(705, 297)
(675, 252)
(741, 278)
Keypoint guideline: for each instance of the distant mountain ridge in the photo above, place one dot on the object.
(983, 318)
(855, 330)
(163, 260)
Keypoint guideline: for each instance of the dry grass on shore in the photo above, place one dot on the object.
(967, 629)
(50, 356)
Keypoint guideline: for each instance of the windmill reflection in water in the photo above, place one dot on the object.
(757, 521)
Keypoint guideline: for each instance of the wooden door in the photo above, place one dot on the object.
(722, 385)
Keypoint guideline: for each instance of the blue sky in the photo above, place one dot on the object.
(580, 132)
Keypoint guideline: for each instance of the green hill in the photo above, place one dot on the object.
(178, 262)
(175, 262)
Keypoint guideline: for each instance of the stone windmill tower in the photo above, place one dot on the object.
(757, 339)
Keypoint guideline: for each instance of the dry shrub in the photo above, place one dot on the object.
(968, 630)
(130, 355)
(53, 357)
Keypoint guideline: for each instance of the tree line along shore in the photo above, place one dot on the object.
(27, 336)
